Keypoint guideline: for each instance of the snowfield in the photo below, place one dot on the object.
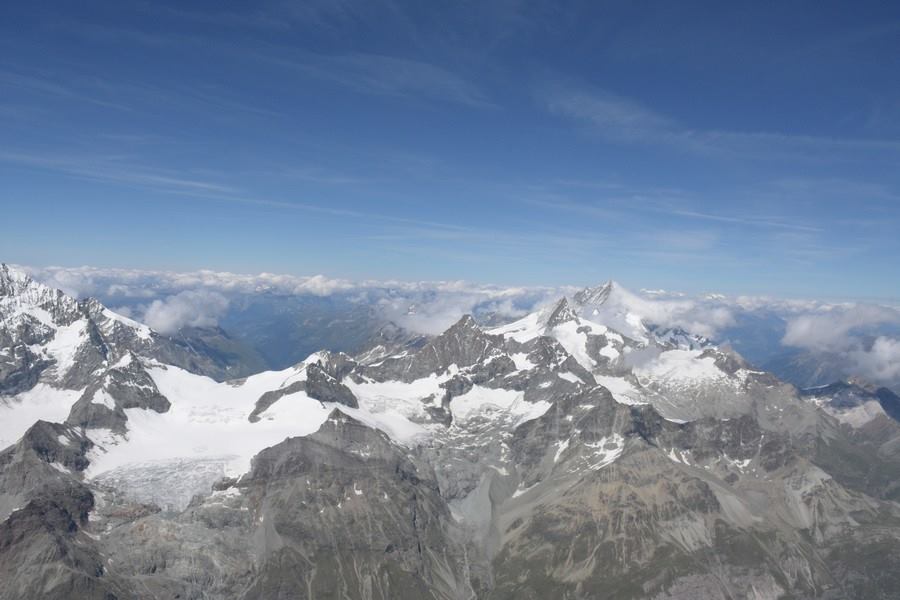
(208, 419)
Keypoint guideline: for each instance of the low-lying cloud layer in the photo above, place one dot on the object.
(138, 283)
(168, 300)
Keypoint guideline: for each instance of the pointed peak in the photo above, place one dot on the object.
(561, 313)
(129, 360)
(466, 322)
(13, 280)
(16, 282)
(597, 294)
(6, 270)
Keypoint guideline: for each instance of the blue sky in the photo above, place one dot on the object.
(692, 146)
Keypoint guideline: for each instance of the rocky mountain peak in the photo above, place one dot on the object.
(561, 313)
(596, 295)
(854, 401)
(18, 285)
(12, 281)
(465, 323)
(464, 343)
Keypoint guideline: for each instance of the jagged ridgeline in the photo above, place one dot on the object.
(577, 453)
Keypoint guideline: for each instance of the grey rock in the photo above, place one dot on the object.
(463, 345)
(127, 386)
(326, 388)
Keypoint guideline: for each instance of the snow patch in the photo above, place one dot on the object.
(521, 361)
(622, 390)
(487, 403)
(604, 451)
(560, 448)
(103, 398)
(681, 368)
(65, 344)
(40, 403)
(570, 377)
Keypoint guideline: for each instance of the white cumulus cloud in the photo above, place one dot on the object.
(879, 363)
(191, 308)
(836, 329)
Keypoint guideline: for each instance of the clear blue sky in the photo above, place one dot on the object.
(684, 145)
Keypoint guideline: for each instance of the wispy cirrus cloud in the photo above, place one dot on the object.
(383, 75)
(744, 220)
(621, 119)
(113, 169)
(48, 86)
(614, 117)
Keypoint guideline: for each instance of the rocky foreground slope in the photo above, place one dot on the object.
(575, 453)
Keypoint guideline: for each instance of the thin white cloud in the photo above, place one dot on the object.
(52, 87)
(109, 169)
(612, 116)
(621, 119)
(740, 220)
(383, 75)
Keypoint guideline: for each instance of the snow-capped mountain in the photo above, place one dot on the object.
(578, 452)
(52, 339)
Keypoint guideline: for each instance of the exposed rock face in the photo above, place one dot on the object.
(463, 345)
(340, 513)
(321, 381)
(561, 313)
(43, 551)
(325, 388)
(346, 500)
(855, 402)
(126, 385)
(20, 368)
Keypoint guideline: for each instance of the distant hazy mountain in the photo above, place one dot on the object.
(284, 330)
(808, 369)
(234, 358)
(805, 368)
(578, 452)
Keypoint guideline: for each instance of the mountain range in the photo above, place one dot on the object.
(579, 452)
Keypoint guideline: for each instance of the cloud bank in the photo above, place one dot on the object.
(168, 301)
(837, 329)
(159, 298)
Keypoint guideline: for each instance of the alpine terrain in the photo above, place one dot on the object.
(580, 452)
